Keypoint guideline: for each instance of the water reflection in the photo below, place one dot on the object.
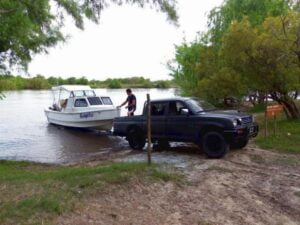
(77, 144)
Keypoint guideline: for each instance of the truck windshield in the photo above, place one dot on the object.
(200, 106)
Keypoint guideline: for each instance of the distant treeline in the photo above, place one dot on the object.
(9, 82)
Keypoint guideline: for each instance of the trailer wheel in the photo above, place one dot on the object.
(214, 144)
(136, 139)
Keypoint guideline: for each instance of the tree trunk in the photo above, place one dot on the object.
(291, 109)
(252, 99)
(261, 97)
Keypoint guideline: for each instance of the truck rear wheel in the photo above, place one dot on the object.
(161, 145)
(214, 144)
(136, 139)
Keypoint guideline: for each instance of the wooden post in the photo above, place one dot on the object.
(149, 128)
(266, 118)
(275, 124)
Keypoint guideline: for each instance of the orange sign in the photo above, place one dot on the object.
(273, 110)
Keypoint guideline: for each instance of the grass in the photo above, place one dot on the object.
(287, 138)
(36, 194)
(259, 108)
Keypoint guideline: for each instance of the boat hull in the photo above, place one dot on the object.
(100, 119)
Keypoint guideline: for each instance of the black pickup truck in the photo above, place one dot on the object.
(189, 120)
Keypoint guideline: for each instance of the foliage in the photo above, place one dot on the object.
(114, 84)
(132, 82)
(163, 84)
(9, 82)
(201, 72)
(185, 71)
(259, 108)
(267, 56)
(30, 27)
(220, 18)
(36, 194)
(226, 83)
(252, 48)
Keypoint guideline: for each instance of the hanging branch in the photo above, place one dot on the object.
(5, 11)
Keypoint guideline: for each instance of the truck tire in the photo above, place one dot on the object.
(214, 145)
(136, 139)
(239, 145)
(161, 145)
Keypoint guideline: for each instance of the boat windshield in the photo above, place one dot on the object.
(90, 93)
(78, 93)
(200, 105)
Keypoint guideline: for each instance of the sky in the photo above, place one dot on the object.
(129, 41)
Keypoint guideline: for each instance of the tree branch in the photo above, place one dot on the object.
(4, 11)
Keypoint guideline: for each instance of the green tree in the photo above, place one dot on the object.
(224, 84)
(71, 80)
(114, 83)
(220, 18)
(162, 84)
(82, 81)
(199, 68)
(37, 83)
(53, 81)
(29, 27)
(185, 67)
(268, 56)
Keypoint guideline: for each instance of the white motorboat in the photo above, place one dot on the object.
(79, 106)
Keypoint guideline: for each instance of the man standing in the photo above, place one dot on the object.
(131, 100)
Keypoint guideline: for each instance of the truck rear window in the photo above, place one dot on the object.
(158, 109)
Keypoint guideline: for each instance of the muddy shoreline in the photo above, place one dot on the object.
(249, 186)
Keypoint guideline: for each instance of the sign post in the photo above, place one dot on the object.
(271, 112)
(149, 150)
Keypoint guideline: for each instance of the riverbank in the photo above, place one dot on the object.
(250, 186)
(9, 83)
(38, 193)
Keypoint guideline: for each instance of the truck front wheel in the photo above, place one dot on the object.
(214, 145)
(136, 139)
(239, 145)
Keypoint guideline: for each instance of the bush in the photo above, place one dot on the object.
(114, 84)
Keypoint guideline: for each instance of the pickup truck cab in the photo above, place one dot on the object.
(189, 120)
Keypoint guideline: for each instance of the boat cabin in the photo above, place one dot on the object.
(74, 98)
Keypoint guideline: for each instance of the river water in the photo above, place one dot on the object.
(26, 135)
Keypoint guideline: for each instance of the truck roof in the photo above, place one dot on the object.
(171, 99)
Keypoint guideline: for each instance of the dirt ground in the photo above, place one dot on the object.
(249, 186)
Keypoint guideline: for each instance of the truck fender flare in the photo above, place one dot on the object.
(130, 127)
(207, 128)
